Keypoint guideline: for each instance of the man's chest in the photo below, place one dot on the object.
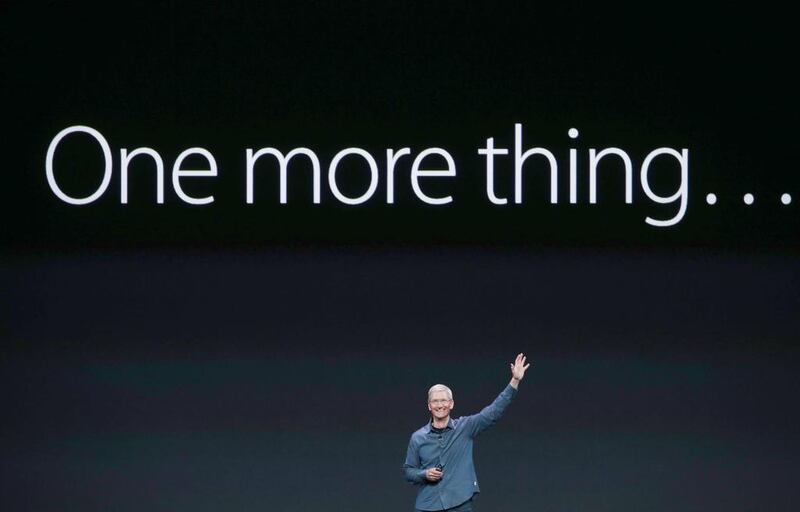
(435, 446)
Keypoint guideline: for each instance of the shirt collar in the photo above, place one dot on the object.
(429, 426)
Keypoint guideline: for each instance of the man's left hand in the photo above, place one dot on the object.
(518, 367)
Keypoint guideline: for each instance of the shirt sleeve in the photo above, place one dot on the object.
(414, 474)
(477, 423)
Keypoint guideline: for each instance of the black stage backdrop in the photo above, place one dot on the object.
(268, 356)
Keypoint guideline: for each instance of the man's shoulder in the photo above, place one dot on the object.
(420, 432)
(459, 422)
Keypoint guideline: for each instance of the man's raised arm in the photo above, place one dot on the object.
(489, 415)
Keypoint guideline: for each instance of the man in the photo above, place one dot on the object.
(439, 457)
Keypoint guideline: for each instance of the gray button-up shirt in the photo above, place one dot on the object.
(453, 450)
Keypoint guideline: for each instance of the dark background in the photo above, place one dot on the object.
(267, 356)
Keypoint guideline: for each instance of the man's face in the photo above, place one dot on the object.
(439, 405)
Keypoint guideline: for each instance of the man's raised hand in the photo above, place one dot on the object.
(518, 368)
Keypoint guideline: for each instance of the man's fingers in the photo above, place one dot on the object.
(526, 366)
(434, 475)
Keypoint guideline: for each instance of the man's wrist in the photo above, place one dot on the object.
(514, 382)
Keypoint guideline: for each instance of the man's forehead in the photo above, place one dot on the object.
(438, 394)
